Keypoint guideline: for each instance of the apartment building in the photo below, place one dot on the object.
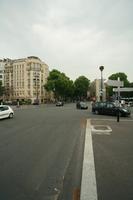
(24, 79)
(2, 67)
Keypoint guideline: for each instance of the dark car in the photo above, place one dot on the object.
(36, 102)
(109, 108)
(81, 105)
(59, 103)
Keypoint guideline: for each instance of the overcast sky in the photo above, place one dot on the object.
(73, 36)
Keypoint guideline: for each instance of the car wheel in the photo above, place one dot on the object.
(11, 115)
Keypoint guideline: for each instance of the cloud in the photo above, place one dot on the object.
(73, 36)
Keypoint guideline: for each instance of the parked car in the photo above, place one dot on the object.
(7, 103)
(59, 103)
(109, 108)
(6, 112)
(81, 105)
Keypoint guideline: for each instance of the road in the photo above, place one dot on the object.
(114, 160)
(41, 154)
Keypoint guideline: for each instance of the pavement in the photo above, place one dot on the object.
(39, 151)
(42, 155)
(114, 161)
(108, 166)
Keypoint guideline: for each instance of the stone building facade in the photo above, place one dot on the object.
(24, 79)
(95, 90)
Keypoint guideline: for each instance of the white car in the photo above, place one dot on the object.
(6, 112)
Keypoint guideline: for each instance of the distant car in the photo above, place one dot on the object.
(36, 102)
(6, 112)
(7, 103)
(59, 103)
(81, 105)
(109, 108)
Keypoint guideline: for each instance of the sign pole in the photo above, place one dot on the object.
(118, 112)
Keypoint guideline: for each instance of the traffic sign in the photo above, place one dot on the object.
(123, 89)
(115, 83)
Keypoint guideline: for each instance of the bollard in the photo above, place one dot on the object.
(18, 104)
(118, 115)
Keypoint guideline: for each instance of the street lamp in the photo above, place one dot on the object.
(36, 79)
(101, 92)
(37, 87)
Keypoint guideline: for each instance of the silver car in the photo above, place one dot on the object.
(6, 112)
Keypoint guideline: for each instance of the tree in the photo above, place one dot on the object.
(81, 87)
(122, 76)
(131, 84)
(59, 84)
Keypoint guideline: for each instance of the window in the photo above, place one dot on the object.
(96, 105)
(109, 105)
(101, 104)
(3, 108)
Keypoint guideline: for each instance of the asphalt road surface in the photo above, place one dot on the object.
(113, 155)
(41, 153)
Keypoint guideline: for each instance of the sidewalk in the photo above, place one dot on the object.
(26, 106)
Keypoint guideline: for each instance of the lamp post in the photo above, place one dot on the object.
(36, 84)
(101, 91)
(37, 91)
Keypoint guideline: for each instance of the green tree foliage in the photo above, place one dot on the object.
(60, 84)
(122, 76)
(81, 87)
(131, 84)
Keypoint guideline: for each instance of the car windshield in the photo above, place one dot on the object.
(83, 103)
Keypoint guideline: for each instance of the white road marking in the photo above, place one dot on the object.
(101, 129)
(88, 184)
